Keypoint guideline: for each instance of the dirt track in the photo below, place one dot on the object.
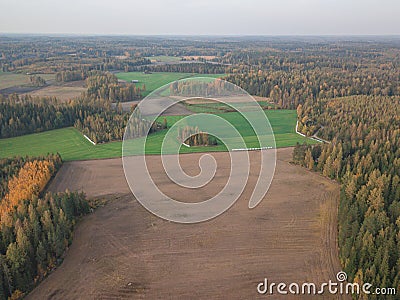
(121, 251)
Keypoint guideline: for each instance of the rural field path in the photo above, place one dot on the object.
(121, 251)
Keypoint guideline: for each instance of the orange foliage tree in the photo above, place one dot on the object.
(30, 181)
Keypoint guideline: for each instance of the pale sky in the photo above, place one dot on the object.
(202, 17)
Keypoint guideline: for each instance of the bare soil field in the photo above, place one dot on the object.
(121, 251)
(167, 105)
(23, 89)
(126, 106)
(63, 92)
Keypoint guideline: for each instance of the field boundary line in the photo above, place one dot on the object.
(86, 137)
(314, 137)
(252, 149)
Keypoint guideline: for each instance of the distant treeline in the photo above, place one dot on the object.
(35, 230)
(27, 56)
(364, 155)
(197, 67)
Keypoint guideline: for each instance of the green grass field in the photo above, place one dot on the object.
(71, 144)
(157, 79)
(218, 107)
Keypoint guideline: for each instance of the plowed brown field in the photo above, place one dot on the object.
(121, 251)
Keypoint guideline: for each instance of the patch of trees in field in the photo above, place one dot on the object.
(35, 230)
(37, 81)
(364, 155)
(192, 136)
(139, 126)
(103, 127)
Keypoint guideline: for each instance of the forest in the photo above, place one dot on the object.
(364, 155)
(35, 229)
(21, 115)
(291, 79)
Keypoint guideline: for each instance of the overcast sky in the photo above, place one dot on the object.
(205, 17)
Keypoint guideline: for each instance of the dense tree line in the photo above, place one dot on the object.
(105, 86)
(66, 76)
(103, 127)
(26, 114)
(35, 236)
(9, 167)
(292, 71)
(94, 117)
(364, 155)
(195, 67)
(289, 88)
(32, 178)
(34, 230)
(110, 125)
(193, 88)
(140, 126)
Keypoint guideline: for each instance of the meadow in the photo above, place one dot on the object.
(218, 107)
(71, 144)
(9, 79)
(153, 81)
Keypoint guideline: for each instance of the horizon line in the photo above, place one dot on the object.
(202, 35)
